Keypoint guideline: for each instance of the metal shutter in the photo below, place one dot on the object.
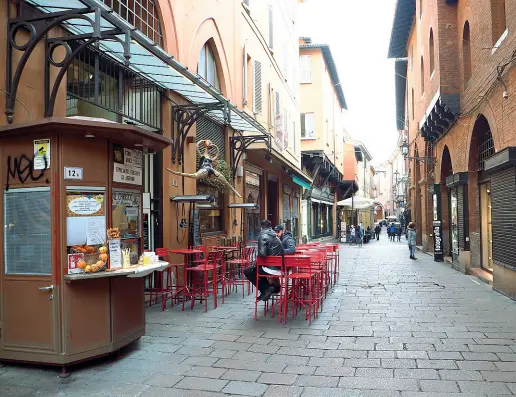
(257, 87)
(460, 216)
(503, 190)
(207, 129)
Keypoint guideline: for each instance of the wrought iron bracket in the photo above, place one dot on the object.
(38, 27)
(424, 160)
(183, 118)
(240, 143)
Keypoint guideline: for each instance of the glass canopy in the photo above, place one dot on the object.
(121, 41)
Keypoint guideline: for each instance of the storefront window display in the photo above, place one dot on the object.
(211, 215)
(454, 223)
(127, 218)
(252, 191)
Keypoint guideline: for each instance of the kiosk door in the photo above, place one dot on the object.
(29, 310)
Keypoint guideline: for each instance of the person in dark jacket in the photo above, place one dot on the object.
(289, 245)
(268, 245)
(392, 232)
(398, 232)
(377, 230)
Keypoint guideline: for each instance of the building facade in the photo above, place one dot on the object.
(322, 154)
(454, 88)
(117, 93)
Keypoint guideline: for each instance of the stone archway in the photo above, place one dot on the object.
(479, 194)
(445, 214)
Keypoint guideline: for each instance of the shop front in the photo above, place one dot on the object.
(502, 169)
(71, 281)
(275, 185)
(457, 185)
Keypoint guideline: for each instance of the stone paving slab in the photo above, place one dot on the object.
(391, 327)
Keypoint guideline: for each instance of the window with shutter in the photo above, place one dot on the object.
(244, 75)
(271, 28)
(305, 66)
(257, 87)
(303, 128)
(28, 231)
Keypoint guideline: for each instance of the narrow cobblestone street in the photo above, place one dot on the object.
(391, 327)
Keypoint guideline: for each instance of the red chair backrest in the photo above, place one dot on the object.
(269, 261)
(161, 252)
(300, 261)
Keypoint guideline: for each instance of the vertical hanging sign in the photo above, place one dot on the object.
(438, 241)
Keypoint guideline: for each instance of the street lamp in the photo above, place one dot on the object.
(405, 151)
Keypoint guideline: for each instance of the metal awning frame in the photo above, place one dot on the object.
(239, 145)
(93, 23)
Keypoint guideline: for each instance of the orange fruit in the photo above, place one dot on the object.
(103, 257)
(94, 268)
(81, 264)
(103, 250)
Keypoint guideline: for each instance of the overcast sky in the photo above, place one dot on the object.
(358, 33)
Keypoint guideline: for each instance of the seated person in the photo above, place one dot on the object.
(268, 245)
(289, 245)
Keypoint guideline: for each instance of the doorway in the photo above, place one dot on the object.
(30, 295)
(486, 227)
(454, 224)
(272, 201)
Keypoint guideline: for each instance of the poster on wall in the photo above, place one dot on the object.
(127, 166)
(42, 154)
(85, 218)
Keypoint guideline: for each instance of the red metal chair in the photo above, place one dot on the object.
(236, 269)
(277, 299)
(199, 280)
(302, 272)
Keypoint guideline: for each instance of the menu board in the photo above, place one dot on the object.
(85, 218)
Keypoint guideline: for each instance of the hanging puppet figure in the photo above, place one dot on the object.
(206, 169)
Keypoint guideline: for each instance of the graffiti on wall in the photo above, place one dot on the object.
(22, 169)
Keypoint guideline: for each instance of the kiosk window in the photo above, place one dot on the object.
(27, 231)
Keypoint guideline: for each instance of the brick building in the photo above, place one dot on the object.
(455, 100)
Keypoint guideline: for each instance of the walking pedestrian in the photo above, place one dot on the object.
(412, 239)
(392, 232)
(377, 230)
(352, 233)
(398, 231)
(359, 231)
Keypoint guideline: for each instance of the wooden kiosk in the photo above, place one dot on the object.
(46, 314)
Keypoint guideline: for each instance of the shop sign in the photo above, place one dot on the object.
(42, 154)
(115, 254)
(74, 173)
(128, 166)
(438, 241)
(84, 205)
(146, 244)
(126, 198)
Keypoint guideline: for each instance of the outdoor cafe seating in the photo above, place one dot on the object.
(206, 276)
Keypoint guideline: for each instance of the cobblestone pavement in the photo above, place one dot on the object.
(391, 327)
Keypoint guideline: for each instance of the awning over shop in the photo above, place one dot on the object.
(94, 21)
(358, 203)
(130, 136)
(291, 169)
(349, 187)
(298, 181)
